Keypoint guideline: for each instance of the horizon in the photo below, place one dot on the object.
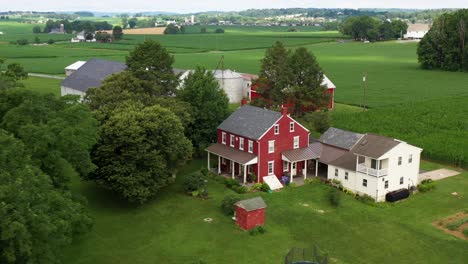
(188, 7)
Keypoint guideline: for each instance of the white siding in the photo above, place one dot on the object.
(66, 91)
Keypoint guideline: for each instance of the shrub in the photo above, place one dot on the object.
(265, 187)
(203, 30)
(227, 205)
(292, 30)
(456, 224)
(252, 177)
(50, 41)
(219, 31)
(204, 171)
(239, 189)
(37, 40)
(22, 42)
(334, 196)
(194, 182)
(256, 186)
(465, 232)
(257, 230)
(426, 185)
(365, 199)
(231, 183)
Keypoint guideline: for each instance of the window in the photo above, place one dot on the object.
(271, 167)
(232, 141)
(402, 180)
(291, 127)
(223, 161)
(336, 172)
(386, 185)
(285, 166)
(241, 143)
(296, 142)
(271, 146)
(364, 182)
(276, 129)
(223, 138)
(250, 146)
(399, 161)
(410, 159)
(346, 175)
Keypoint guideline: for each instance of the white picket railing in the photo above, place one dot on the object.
(374, 172)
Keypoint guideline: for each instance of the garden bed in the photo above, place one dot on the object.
(454, 225)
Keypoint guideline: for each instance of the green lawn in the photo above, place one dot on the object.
(170, 229)
(43, 85)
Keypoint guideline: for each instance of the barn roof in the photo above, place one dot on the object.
(75, 66)
(250, 122)
(418, 27)
(328, 83)
(252, 204)
(340, 138)
(92, 73)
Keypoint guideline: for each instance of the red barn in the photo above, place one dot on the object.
(261, 142)
(250, 213)
(326, 82)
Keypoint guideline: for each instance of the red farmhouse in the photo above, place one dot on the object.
(258, 141)
(326, 82)
(250, 213)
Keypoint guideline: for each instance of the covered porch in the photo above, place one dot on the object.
(297, 163)
(231, 161)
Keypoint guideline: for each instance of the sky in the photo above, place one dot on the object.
(190, 6)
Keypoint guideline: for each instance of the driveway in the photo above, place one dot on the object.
(436, 175)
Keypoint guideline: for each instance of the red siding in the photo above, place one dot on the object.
(248, 220)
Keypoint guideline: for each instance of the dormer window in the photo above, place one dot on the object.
(276, 129)
(291, 127)
(232, 141)
(223, 138)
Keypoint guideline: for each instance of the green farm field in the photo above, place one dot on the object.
(171, 229)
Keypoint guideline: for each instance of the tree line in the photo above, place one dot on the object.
(445, 45)
(373, 29)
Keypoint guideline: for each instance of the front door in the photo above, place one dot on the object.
(293, 169)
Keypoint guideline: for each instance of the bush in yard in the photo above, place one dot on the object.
(50, 41)
(334, 196)
(231, 183)
(426, 185)
(456, 224)
(239, 189)
(194, 182)
(219, 31)
(465, 232)
(265, 187)
(365, 199)
(227, 205)
(22, 42)
(257, 230)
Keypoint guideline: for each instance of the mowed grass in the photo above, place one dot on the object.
(42, 85)
(171, 229)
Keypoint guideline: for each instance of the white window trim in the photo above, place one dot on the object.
(336, 173)
(346, 175)
(386, 184)
(272, 167)
(402, 180)
(270, 149)
(410, 159)
(231, 140)
(291, 126)
(250, 147)
(400, 161)
(223, 137)
(241, 143)
(294, 142)
(364, 180)
(285, 166)
(276, 129)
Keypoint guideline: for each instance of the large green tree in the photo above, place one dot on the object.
(139, 150)
(117, 33)
(11, 77)
(210, 105)
(59, 132)
(152, 63)
(444, 46)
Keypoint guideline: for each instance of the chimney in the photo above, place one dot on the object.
(243, 102)
(284, 110)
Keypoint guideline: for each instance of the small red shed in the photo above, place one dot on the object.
(250, 213)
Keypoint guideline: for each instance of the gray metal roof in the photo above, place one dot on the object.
(252, 204)
(250, 122)
(92, 73)
(374, 146)
(313, 151)
(340, 138)
(233, 154)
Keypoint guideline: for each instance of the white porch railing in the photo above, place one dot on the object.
(374, 172)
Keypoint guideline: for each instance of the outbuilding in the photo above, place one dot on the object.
(250, 213)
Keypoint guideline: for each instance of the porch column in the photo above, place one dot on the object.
(219, 164)
(305, 169)
(291, 172)
(208, 161)
(316, 168)
(232, 169)
(245, 174)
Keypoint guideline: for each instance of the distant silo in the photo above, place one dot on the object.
(232, 83)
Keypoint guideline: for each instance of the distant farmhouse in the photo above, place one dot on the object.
(417, 31)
